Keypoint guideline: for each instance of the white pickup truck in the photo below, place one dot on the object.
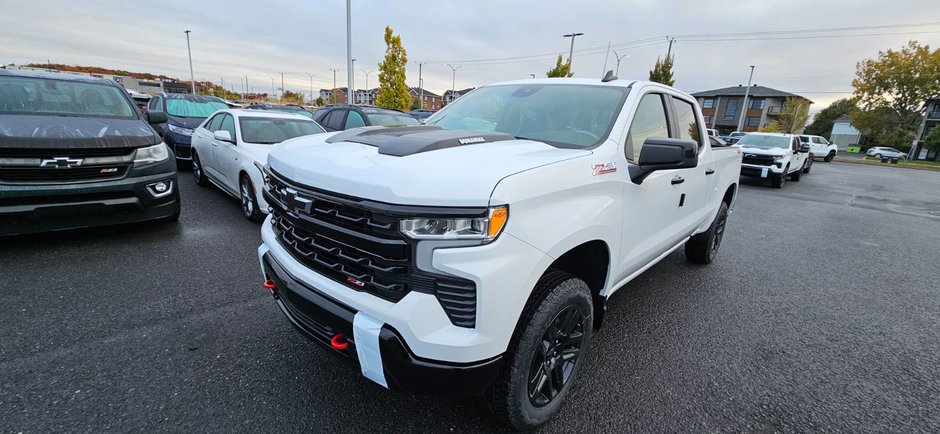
(474, 255)
(775, 156)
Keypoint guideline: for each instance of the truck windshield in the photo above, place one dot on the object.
(268, 131)
(762, 141)
(561, 115)
(46, 96)
(199, 107)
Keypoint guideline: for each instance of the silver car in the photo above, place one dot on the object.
(885, 152)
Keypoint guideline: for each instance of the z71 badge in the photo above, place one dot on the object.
(600, 169)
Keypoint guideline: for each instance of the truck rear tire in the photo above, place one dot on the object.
(548, 347)
(830, 156)
(703, 247)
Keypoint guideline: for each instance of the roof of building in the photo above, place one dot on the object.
(843, 118)
(459, 92)
(755, 90)
(417, 90)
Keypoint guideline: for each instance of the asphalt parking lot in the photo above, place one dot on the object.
(821, 313)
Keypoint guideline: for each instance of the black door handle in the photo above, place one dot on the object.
(678, 180)
(709, 171)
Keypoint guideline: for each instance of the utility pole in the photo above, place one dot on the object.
(311, 85)
(619, 57)
(746, 92)
(192, 77)
(273, 87)
(349, 59)
(453, 82)
(366, 73)
(671, 40)
(352, 83)
(571, 51)
(282, 87)
(247, 88)
(333, 90)
(222, 83)
(420, 87)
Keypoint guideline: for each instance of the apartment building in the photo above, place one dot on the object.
(723, 108)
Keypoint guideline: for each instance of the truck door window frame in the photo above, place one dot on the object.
(676, 131)
(631, 150)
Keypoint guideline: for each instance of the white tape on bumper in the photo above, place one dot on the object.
(262, 249)
(366, 336)
(763, 172)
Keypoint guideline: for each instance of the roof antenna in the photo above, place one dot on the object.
(609, 76)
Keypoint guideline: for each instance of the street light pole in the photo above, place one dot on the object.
(192, 77)
(453, 83)
(625, 56)
(282, 87)
(746, 92)
(311, 85)
(571, 51)
(349, 59)
(420, 87)
(366, 73)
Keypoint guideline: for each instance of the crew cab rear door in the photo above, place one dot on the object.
(695, 185)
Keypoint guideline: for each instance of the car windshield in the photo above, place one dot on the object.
(391, 120)
(293, 110)
(269, 131)
(196, 108)
(763, 141)
(46, 96)
(562, 115)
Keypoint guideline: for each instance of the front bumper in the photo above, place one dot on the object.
(375, 347)
(30, 208)
(181, 144)
(760, 171)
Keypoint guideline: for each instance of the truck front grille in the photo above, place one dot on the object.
(360, 246)
(758, 160)
(44, 166)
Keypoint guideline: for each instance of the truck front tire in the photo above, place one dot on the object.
(547, 350)
(703, 247)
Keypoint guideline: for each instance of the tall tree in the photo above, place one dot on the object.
(393, 92)
(560, 69)
(932, 140)
(891, 92)
(822, 122)
(792, 117)
(662, 71)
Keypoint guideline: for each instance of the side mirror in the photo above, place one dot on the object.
(154, 118)
(804, 147)
(663, 154)
(223, 136)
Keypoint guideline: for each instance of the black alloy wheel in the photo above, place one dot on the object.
(555, 358)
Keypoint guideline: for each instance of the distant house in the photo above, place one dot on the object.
(366, 96)
(340, 95)
(451, 95)
(844, 134)
(931, 121)
(723, 108)
(428, 100)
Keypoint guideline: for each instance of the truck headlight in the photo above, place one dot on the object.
(180, 130)
(151, 154)
(457, 228)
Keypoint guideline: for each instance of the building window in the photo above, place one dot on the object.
(708, 119)
(730, 109)
(757, 104)
(708, 103)
(753, 122)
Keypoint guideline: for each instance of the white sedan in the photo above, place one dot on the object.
(231, 146)
(884, 151)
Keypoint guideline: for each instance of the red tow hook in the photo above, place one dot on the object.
(269, 285)
(339, 342)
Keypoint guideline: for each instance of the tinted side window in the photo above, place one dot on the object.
(649, 121)
(228, 124)
(213, 124)
(354, 119)
(155, 104)
(336, 120)
(686, 122)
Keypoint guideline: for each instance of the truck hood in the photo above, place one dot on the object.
(65, 132)
(412, 165)
(757, 150)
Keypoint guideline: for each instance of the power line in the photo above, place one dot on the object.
(808, 37)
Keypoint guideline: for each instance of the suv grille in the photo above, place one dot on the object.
(37, 166)
(759, 160)
(360, 247)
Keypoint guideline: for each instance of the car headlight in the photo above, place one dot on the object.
(180, 130)
(151, 154)
(457, 228)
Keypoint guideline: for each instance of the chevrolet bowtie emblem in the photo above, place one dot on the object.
(61, 162)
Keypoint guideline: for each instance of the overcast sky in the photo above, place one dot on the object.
(234, 39)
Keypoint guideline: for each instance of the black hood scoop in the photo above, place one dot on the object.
(404, 141)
